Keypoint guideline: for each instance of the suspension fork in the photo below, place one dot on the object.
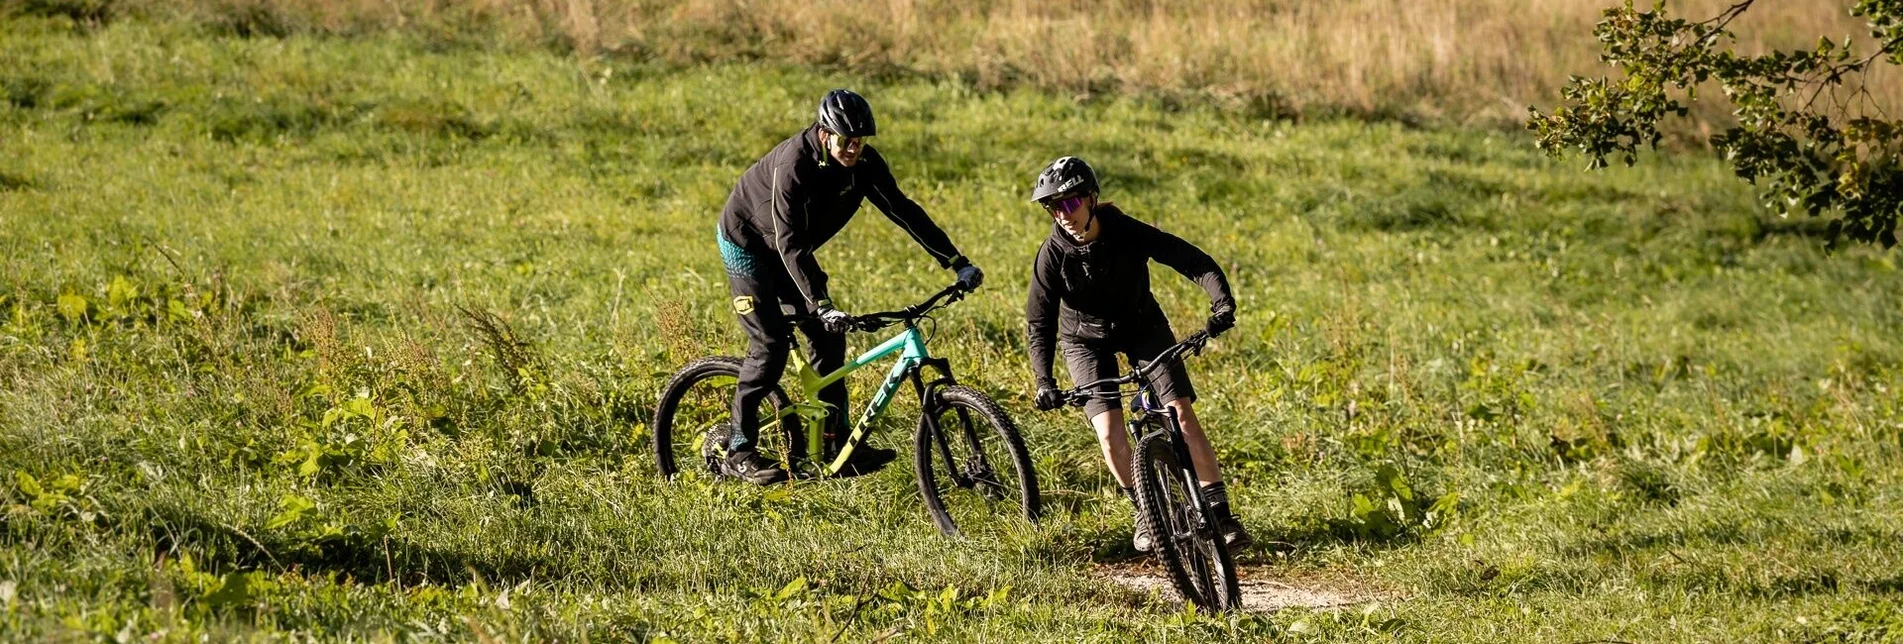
(928, 419)
(1186, 467)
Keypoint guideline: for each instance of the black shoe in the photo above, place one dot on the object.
(750, 467)
(1233, 533)
(866, 459)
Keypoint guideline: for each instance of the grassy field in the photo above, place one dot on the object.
(241, 395)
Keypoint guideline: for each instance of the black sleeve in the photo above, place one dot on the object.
(884, 192)
(1189, 260)
(789, 232)
(1040, 313)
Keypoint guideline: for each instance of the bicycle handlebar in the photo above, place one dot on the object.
(1192, 345)
(875, 321)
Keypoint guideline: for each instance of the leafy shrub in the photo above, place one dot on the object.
(1391, 509)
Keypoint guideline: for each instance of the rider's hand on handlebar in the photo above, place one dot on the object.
(969, 277)
(835, 320)
(1223, 319)
(1049, 398)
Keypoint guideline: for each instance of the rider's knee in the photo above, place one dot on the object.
(1108, 424)
(769, 349)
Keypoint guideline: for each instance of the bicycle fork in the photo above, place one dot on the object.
(977, 469)
(1186, 469)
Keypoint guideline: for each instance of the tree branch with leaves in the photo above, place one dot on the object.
(1808, 131)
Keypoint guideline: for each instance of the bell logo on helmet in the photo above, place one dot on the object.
(743, 304)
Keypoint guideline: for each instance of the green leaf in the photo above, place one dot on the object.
(361, 407)
(291, 509)
(1445, 504)
(791, 588)
(121, 292)
(898, 591)
(1390, 478)
(28, 485)
(313, 462)
(72, 307)
(235, 588)
(1363, 506)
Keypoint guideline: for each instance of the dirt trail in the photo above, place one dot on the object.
(1262, 590)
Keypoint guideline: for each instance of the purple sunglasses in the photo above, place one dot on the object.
(1062, 206)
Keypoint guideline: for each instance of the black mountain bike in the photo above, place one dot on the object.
(967, 455)
(1169, 498)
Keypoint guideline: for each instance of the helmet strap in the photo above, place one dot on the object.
(825, 147)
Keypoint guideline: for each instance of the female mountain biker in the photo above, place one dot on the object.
(1090, 293)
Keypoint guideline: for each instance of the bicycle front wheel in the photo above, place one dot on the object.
(694, 420)
(970, 462)
(1191, 548)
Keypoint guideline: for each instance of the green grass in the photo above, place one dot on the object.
(240, 397)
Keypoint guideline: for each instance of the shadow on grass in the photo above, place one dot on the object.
(1891, 586)
(1271, 546)
(1726, 535)
(1703, 560)
(220, 547)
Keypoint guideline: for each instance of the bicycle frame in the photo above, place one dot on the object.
(909, 344)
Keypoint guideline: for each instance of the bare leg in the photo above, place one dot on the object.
(1207, 471)
(1115, 440)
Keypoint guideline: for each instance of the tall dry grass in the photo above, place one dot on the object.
(1463, 61)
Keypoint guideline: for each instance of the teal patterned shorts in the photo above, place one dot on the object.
(739, 262)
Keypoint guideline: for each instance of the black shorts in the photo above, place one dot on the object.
(1096, 359)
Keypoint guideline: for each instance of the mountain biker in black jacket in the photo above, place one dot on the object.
(1090, 297)
(783, 209)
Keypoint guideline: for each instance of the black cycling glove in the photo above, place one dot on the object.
(1222, 319)
(1049, 398)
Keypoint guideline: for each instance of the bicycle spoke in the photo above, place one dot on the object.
(702, 409)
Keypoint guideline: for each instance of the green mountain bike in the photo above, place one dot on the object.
(1169, 498)
(967, 455)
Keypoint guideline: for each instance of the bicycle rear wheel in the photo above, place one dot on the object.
(970, 462)
(1191, 548)
(697, 404)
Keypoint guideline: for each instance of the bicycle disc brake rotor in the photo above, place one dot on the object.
(984, 480)
(1199, 537)
(713, 446)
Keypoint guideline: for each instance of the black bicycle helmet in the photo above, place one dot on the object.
(1068, 175)
(847, 114)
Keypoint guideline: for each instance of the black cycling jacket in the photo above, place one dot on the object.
(797, 197)
(1088, 291)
